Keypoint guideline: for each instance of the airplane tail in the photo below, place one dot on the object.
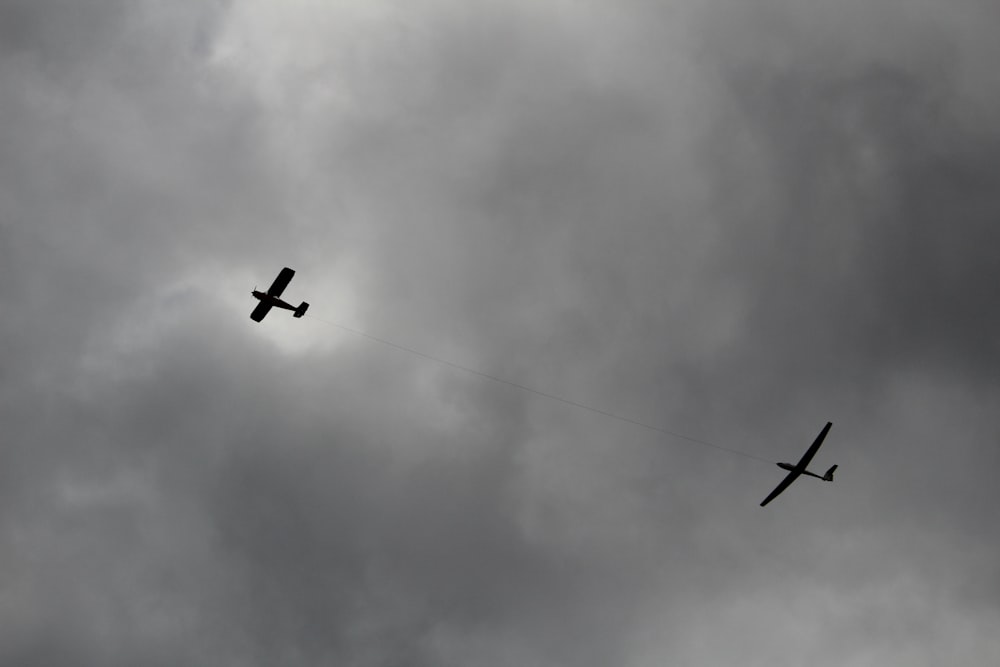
(828, 477)
(303, 307)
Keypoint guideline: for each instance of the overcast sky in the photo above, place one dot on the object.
(733, 220)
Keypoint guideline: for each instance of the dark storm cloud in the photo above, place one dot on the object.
(733, 222)
(866, 258)
(62, 32)
(887, 230)
(867, 272)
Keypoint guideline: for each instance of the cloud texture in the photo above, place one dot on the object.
(735, 221)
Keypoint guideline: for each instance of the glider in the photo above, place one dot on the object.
(270, 298)
(800, 468)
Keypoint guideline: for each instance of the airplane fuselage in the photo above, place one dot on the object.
(272, 300)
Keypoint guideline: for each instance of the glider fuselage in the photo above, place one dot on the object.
(790, 467)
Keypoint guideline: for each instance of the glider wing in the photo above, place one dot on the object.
(281, 282)
(813, 448)
(789, 478)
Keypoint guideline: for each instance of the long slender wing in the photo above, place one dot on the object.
(260, 311)
(281, 282)
(813, 448)
(789, 478)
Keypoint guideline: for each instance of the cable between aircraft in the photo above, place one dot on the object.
(537, 392)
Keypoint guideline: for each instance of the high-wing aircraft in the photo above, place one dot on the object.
(270, 298)
(800, 468)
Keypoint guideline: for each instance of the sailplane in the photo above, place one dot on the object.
(794, 471)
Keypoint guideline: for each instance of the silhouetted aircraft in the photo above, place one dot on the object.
(800, 467)
(270, 298)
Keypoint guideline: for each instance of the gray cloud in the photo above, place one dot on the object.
(735, 223)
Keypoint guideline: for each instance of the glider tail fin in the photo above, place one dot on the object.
(828, 477)
(301, 310)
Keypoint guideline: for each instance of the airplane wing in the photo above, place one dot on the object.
(260, 311)
(789, 478)
(281, 282)
(813, 448)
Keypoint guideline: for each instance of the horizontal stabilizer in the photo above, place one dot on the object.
(301, 310)
(829, 474)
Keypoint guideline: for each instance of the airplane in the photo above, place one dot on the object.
(270, 297)
(800, 468)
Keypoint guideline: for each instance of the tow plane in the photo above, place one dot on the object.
(269, 299)
(800, 468)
